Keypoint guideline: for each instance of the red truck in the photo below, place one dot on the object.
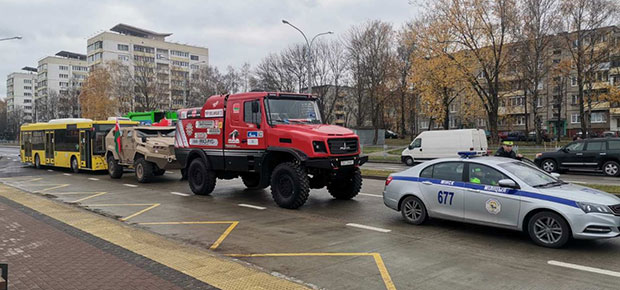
(268, 139)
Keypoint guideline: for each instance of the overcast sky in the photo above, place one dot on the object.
(235, 31)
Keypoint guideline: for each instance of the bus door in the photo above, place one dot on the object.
(49, 147)
(85, 150)
(27, 141)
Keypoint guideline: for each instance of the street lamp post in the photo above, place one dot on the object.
(309, 44)
(10, 38)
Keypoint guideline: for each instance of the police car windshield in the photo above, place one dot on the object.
(292, 111)
(532, 176)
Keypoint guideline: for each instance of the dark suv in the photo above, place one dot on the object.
(598, 154)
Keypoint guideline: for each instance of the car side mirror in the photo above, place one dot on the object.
(143, 139)
(509, 183)
(555, 174)
(410, 147)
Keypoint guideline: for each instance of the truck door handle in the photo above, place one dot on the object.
(427, 183)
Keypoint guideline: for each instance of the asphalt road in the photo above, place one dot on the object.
(356, 244)
(575, 177)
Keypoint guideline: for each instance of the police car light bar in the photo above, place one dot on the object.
(467, 154)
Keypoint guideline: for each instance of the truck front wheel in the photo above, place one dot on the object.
(346, 186)
(144, 170)
(114, 169)
(289, 185)
(201, 179)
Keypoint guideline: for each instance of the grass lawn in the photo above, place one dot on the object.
(389, 158)
(374, 172)
(398, 142)
(371, 149)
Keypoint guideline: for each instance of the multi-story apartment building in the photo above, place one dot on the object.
(58, 84)
(167, 66)
(558, 105)
(21, 92)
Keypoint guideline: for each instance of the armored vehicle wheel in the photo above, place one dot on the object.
(144, 170)
(114, 169)
(346, 187)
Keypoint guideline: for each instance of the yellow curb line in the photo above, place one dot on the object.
(385, 276)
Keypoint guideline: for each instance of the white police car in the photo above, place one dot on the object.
(504, 193)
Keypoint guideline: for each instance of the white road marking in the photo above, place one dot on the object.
(67, 174)
(584, 268)
(170, 172)
(369, 228)
(370, 194)
(92, 178)
(180, 193)
(130, 185)
(252, 206)
(50, 170)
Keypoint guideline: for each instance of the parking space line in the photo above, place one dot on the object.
(88, 197)
(370, 194)
(179, 193)
(385, 275)
(67, 174)
(49, 170)
(130, 185)
(57, 186)
(369, 228)
(151, 206)
(217, 243)
(93, 179)
(584, 268)
(252, 206)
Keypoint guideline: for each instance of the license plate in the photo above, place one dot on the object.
(346, 162)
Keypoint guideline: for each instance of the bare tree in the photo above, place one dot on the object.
(245, 74)
(272, 75)
(150, 92)
(589, 45)
(336, 62)
(15, 118)
(404, 51)
(3, 119)
(205, 82)
(538, 22)
(121, 87)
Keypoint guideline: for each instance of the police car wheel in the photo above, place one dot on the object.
(548, 165)
(201, 179)
(413, 210)
(409, 161)
(549, 229)
(611, 168)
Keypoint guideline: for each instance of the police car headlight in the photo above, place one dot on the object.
(593, 207)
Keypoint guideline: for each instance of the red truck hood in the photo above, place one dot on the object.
(318, 129)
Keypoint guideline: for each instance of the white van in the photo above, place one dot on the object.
(444, 143)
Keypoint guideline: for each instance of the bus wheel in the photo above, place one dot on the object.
(74, 165)
(37, 161)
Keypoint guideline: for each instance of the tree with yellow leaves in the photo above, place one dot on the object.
(95, 96)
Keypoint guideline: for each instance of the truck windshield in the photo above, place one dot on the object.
(155, 133)
(292, 111)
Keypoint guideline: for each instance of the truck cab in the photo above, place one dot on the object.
(268, 139)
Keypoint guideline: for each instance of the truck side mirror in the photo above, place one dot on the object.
(410, 146)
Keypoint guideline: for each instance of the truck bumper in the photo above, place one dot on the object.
(337, 163)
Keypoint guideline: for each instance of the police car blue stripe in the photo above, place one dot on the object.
(482, 187)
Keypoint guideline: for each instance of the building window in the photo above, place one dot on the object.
(194, 57)
(481, 122)
(123, 57)
(453, 108)
(27, 81)
(517, 101)
(573, 81)
(63, 84)
(453, 122)
(27, 87)
(180, 63)
(423, 124)
(63, 67)
(63, 76)
(179, 53)
(122, 47)
(144, 49)
(557, 51)
(27, 100)
(557, 60)
(94, 46)
(539, 102)
(574, 99)
(520, 120)
(194, 66)
(27, 95)
(598, 117)
(148, 59)
(574, 119)
(81, 68)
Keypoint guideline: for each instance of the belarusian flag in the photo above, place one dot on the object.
(117, 137)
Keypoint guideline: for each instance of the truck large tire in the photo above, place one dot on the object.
(289, 185)
(114, 169)
(201, 179)
(252, 181)
(347, 186)
(144, 170)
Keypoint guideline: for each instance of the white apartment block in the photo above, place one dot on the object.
(174, 63)
(21, 91)
(61, 75)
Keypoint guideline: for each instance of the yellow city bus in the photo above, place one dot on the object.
(69, 143)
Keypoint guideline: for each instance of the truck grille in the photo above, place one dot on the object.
(615, 209)
(342, 145)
